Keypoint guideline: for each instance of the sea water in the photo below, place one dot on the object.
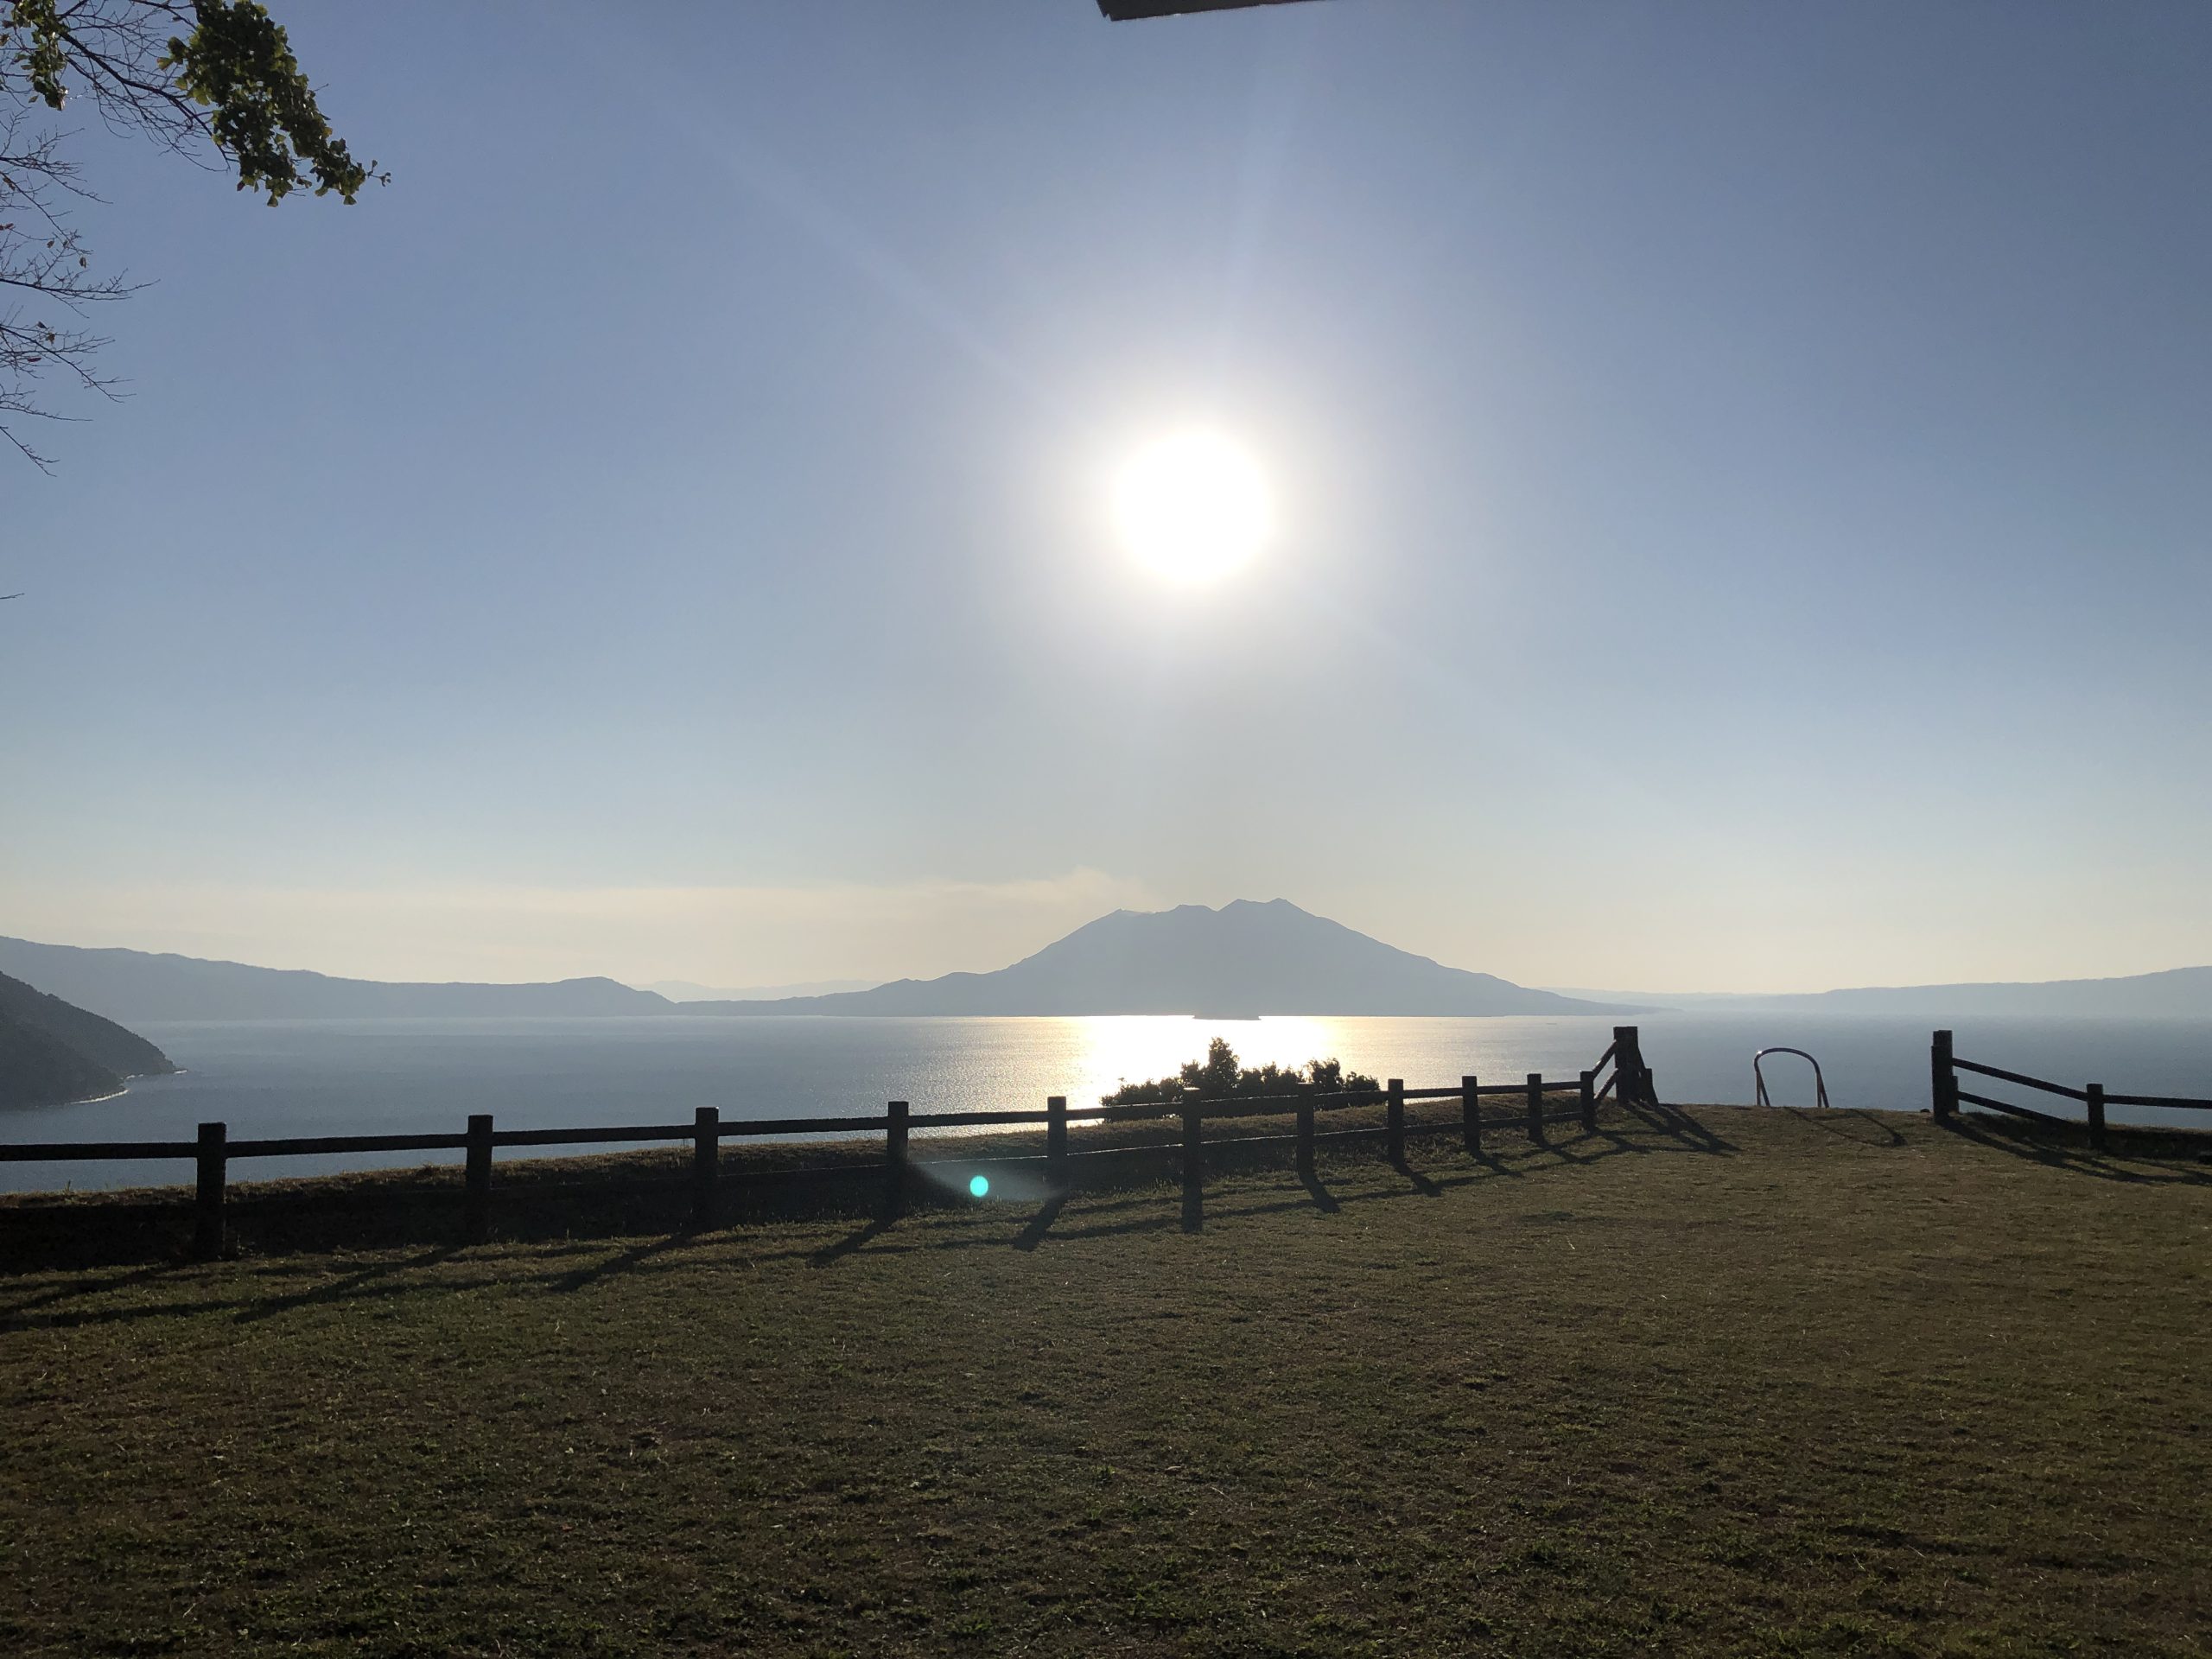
(341, 1077)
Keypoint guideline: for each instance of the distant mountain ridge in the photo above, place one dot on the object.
(52, 1051)
(2174, 992)
(2183, 991)
(1247, 957)
(685, 990)
(135, 987)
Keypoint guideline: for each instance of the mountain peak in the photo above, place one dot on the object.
(1250, 955)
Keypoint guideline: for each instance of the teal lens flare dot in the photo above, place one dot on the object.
(979, 1186)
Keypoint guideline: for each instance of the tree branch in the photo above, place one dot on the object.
(183, 73)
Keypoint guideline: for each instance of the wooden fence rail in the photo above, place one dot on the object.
(1944, 1066)
(213, 1151)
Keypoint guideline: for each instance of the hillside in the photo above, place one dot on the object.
(137, 986)
(99, 1041)
(1245, 958)
(39, 1069)
(52, 1053)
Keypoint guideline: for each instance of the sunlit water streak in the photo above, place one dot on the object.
(397, 1076)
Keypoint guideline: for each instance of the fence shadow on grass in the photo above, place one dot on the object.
(383, 1284)
(858, 1239)
(89, 1286)
(528, 1250)
(1160, 1210)
(1419, 1182)
(1675, 1122)
(344, 1290)
(1850, 1123)
(2134, 1157)
(1040, 1223)
(253, 1289)
(617, 1265)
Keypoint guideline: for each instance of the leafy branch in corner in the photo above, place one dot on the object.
(215, 81)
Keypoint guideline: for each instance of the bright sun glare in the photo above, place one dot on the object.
(1192, 507)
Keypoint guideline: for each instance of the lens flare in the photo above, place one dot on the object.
(979, 1186)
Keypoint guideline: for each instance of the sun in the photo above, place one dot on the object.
(1193, 506)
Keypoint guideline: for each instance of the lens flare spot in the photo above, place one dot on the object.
(979, 1186)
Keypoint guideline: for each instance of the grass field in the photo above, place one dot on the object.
(1737, 1381)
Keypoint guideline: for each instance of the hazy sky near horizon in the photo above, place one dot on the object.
(1743, 476)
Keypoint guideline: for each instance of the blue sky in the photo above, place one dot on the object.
(1744, 475)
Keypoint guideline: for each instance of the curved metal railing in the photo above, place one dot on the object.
(1759, 1075)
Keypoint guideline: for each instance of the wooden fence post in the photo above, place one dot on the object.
(1393, 1120)
(706, 1163)
(1056, 1143)
(1193, 1164)
(2096, 1092)
(207, 1210)
(894, 1157)
(1471, 1114)
(1535, 1105)
(1305, 1139)
(1942, 1081)
(476, 1196)
(1590, 1101)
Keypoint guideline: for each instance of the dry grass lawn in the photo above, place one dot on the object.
(1735, 1382)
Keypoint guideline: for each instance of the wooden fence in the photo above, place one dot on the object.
(1944, 1067)
(212, 1152)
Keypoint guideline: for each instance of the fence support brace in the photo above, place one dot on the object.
(1637, 1088)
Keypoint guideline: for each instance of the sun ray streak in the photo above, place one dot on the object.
(766, 176)
(1278, 96)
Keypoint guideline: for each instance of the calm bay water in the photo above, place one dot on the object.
(284, 1078)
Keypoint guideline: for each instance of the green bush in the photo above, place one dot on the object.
(1218, 1076)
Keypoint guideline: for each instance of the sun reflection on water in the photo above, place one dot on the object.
(1138, 1047)
(1012, 1063)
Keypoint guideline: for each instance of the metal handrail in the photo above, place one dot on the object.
(1758, 1077)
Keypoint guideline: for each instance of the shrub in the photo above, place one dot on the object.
(1218, 1076)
